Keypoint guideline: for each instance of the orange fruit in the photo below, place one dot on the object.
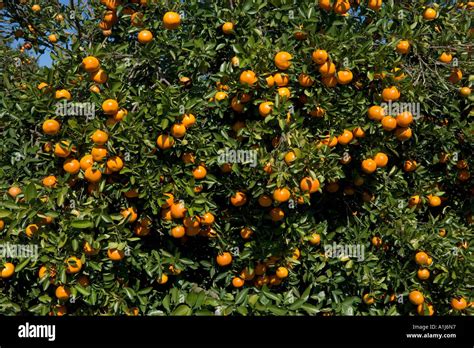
(277, 214)
(416, 297)
(282, 272)
(188, 120)
(381, 159)
(456, 76)
(325, 4)
(403, 134)
(375, 4)
(178, 232)
(376, 113)
(410, 166)
(236, 105)
(171, 20)
(403, 47)
(281, 195)
(389, 123)
(265, 201)
(62, 293)
(238, 199)
(100, 77)
(368, 299)
(414, 200)
(199, 172)
(458, 304)
(305, 80)
(90, 64)
(114, 164)
(317, 112)
(327, 69)
(341, 6)
(465, 92)
(178, 210)
(92, 175)
(290, 157)
(62, 149)
(192, 221)
(421, 309)
(248, 77)
(284, 93)
(344, 77)
(369, 166)
(265, 109)
(178, 130)
(99, 137)
(115, 254)
(51, 127)
(207, 219)
(36, 8)
(319, 56)
(50, 181)
(446, 57)
(434, 201)
(228, 28)
(390, 94)
(71, 166)
(429, 14)
(270, 81)
(74, 265)
(358, 132)
(224, 259)
(404, 119)
(421, 258)
(145, 36)
(219, 96)
(31, 230)
(345, 138)
(308, 184)
(237, 282)
(163, 279)
(283, 60)
(130, 213)
(165, 141)
(98, 153)
(423, 274)
(7, 270)
(315, 239)
(281, 80)
(110, 107)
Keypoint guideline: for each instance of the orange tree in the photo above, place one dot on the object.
(206, 157)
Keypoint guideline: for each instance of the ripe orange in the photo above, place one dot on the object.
(163, 279)
(429, 14)
(284, 93)
(178, 231)
(90, 64)
(410, 165)
(246, 233)
(31, 230)
(99, 137)
(456, 76)
(115, 254)
(224, 259)
(376, 113)
(207, 219)
(329, 81)
(248, 77)
(434, 201)
(305, 80)
(389, 123)
(100, 76)
(7, 270)
(282, 272)
(319, 56)
(281, 80)
(368, 299)
(458, 304)
(165, 141)
(445, 57)
(465, 92)
(358, 132)
(376, 241)
(71, 166)
(404, 119)
(277, 214)
(114, 164)
(308, 184)
(369, 166)
(327, 69)
(110, 107)
(375, 4)
(414, 200)
(281, 195)
(145, 36)
(325, 4)
(178, 130)
(238, 199)
(98, 153)
(74, 265)
(50, 181)
(62, 293)
(341, 6)
(62, 149)
(344, 77)
(36, 8)
(63, 94)
(270, 81)
(199, 172)
(228, 28)
(51, 127)
(315, 239)
(171, 20)
(92, 175)
(317, 112)
(237, 282)
(403, 47)
(283, 60)
(391, 94)
(130, 213)
(178, 210)
(423, 274)
(381, 160)
(290, 157)
(416, 297)
(421, 258)
(188, 120)
(403, 134)
(345, 138)
(265, 109)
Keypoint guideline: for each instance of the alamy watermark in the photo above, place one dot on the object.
(237, 156)
(18, 251)
(65, 108)
(356, 251)
(396, 108)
